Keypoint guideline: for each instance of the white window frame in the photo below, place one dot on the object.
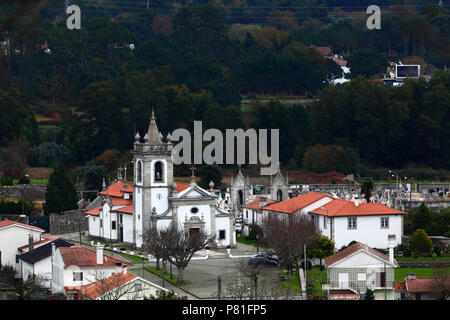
(80, 276)
(224, 234)
(354, 225)
(384, 225)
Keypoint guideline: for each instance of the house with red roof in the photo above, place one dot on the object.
(422, 288)
(129, 209)
(350, 272)
(76, 266)
(345, 221)
(15, 238)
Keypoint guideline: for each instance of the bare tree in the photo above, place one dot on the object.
(254, 282)
(441, 282)
(153, 244)
(182, 246)
(33, 287)
(110, 287)
(287, 235)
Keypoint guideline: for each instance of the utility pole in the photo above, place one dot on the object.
(256, 286)
(219, 287)
(385, 279)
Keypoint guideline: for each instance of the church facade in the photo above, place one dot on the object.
(156, 200)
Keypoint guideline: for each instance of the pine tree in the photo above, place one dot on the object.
(61, 194)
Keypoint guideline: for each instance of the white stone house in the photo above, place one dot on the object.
(38, 261)
(14, 235)
(76, 266)
(352, 271)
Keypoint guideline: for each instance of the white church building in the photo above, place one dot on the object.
(154, 200)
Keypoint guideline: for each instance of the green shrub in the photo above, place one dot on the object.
(308, 265)
(6, 181)
(24, 180)
(407, 252)
(437, 251)
(420, 242)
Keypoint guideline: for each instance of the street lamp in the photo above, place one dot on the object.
(257, 242)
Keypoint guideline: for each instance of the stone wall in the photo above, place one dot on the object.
(432, 205)
(68, 222)
(16, 192)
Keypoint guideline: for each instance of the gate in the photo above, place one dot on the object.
(42, 222)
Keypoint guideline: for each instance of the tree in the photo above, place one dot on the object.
(183, 245)
(367, 63)
(320, 247)
(287, 235)
(369, 295)
(13, 159)
(210, 173)
(366, 189)
(153, 243)
(93, 177)
(110, 287)
(33, 288)
(60, 194)
(165, 295)
(441, 282)
(422, 217)
(48, 154)
(420, 242)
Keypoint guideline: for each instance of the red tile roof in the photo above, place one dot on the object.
(117, 190)
(100, 287)
(84, 257)
(339, 208)
(127, 209)
(420, 285)
(44, 240)
(352, 249)
(344, 296)
(121, 202)
(297, 203)
(339, 62)
(8, 223)
(181, 186)
(400, 286)
(94, 212)
(255, 205)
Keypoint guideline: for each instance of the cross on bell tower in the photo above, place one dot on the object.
(193, 175)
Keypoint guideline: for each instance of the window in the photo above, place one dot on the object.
(313, 218)
(324, 222)
(120, 219)
(101, 223)
(78, 276)
(159, 171)
(361, 277)
(94, 218)
(17, 258)
(222, 235)
(139, 171)
(384, 223)
(352, 223)
(194, 210)
(113, 225)
(138, 287)
(159, 196)
(139, 217)
(246, 214)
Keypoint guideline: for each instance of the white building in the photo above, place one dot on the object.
(76, 266)
(344, 221)
(357, 268)
(14, 235)
(130, 209)
(38, 261)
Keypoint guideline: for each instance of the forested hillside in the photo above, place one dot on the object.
(74, 94)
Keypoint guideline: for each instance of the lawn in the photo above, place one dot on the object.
(318, 277)
(445, 258)
(41, 182)
(295, 286)
(173, 280)
(243, 241)
(132, 258)
(400, 273)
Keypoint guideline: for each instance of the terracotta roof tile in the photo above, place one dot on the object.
(84, 257)
(339, 207)
(297, 203)
(96, 289)
(181, 186)
(256, 205)
(400, 286)
(117, 190)
(352, 249)
(127, 209)
(94, 212)
(44, 240)
(420, 285)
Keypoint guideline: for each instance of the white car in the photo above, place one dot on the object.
(238, 227)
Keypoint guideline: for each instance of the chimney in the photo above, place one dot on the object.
(99, 251)
(262, 201)
(30, 242)
(356, 202)
(124, 270)
(410, 276)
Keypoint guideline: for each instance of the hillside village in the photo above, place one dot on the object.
(224, 150)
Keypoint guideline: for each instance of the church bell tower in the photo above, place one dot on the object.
(153, 178)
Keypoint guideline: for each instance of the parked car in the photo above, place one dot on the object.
(267, 254)
(239, 220)
(256, 260)
(238, 227)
